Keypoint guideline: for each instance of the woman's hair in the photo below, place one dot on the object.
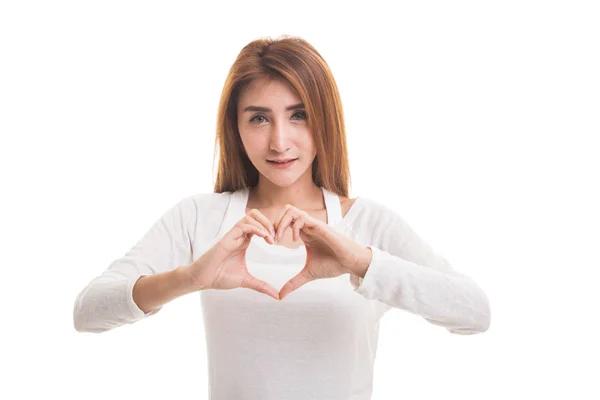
(295, 61)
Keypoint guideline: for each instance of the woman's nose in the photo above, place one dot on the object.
(280, 137)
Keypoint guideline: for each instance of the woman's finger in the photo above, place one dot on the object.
(262, 219)
(278, 220)
(282, 226)
(251, 229)
(253, 283)
(298, 225)
(250, 220)
(297, 281)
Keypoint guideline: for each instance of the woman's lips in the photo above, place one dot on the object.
(281, 165)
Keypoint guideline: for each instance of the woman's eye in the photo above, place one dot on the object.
(254, 119)
(259, 118)
(302, 114)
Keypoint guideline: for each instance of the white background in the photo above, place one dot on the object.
(477, 121)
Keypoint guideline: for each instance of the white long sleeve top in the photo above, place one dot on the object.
(319, 342)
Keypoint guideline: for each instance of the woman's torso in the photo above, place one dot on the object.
(317, 343)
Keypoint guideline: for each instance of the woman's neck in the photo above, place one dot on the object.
(269, 196)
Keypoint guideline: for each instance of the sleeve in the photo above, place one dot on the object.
(107, 302)
(406, 273)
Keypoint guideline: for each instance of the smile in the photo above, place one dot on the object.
(281, 164)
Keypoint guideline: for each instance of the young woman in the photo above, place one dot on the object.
(294, 275)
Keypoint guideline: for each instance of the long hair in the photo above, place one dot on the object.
(297, 62)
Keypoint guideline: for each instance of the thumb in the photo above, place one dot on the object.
(299, 280)
(253, 283)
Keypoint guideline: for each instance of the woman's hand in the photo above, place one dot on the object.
(224, 265)
(328, 253)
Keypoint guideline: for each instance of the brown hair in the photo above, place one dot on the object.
(296, 61)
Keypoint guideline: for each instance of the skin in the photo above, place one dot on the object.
(275, 134)
(272, 125)
(283, 198)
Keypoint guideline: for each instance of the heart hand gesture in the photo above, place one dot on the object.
(328, 253)
(224, 265)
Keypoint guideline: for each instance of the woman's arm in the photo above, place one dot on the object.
(145, 278)
(406, 273)
(151, 292)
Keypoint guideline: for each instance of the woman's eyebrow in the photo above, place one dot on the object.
(265, 109)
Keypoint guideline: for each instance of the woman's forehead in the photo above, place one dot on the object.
(269, 92)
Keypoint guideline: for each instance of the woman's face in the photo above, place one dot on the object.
(273, 126)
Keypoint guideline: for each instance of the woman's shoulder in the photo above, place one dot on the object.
(365, 211)
(362, 202)
(201, 204)
(209, 201)
(210, 197)
(346, 203)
